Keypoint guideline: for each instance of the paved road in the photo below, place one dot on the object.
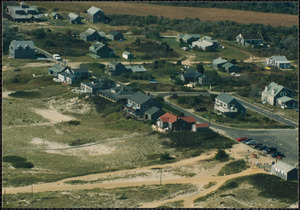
(286, 138)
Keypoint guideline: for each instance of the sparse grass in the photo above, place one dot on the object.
(22, 94)
(259, 190)
(233, 167)
(129, 197)
(175, 204)
(209, 185)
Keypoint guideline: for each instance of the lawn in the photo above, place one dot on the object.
(126, 197)
(234, 167)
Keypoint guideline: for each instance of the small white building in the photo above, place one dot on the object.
(279, 61)
(127, 55)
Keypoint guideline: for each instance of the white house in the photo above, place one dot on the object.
(279, 61)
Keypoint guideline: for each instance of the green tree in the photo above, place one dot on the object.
(200, 68)
(40, 34)
(221, 155)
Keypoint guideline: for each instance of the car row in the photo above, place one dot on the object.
(268, 150)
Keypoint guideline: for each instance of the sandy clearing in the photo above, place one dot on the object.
(6, 93)
(53, 115)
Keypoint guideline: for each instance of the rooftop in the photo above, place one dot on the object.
(139, 98)
(224, 97)
(93, 10)
(283, 166)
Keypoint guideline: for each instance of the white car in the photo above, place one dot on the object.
(57, 57)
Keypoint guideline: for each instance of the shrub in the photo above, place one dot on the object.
(221, 155)
(13, 158)
(73, 122)
(22, 94)
(21, 164)
(15, 80)
(166, 156)
(229, 185)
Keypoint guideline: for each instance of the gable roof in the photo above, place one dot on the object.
(127, 53)
(286, 99)
(191, 73)
(97, 46)
(153, 110)
(276, 87)
(100, 84)
(251, 36)
(224, 97)
(94, 10)
(209, 39)
(219, 61)
(79, 70)
(89, 31)
(201, 125)
(139, 98)
(227, 65)
(73, 16)
(203, 43)
(114, 33)
(203, 76)
(280, 58)
(167, 117)
(136, 68)
(283, 166)
(57, 68)
(23, 44)
(188, 36)
(188, 119)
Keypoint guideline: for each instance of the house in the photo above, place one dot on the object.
(81, 73)
(22, 13)
(116, 68)
(55, 16)
(284, 171)
(74, 19)
(96, 15)
(190, 76)
(67, 78)
(21, 49)
(206, 43)
(174, 123)
(274, 91)
(117, 94)
(95, 86)
(229, 67)
(92, 35)
(249, 39)
(228, 106)
(56, 69)
(99, 50)
(286, 102)
(217, 63)
(136, 69)
(203, 80)
(139, 103)
(188, 38)
(279, 61)
(115, 35)
(127, 55)
(153, 113)
(198, 127)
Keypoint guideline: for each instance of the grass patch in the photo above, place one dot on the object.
(21, 164)
(129, 197)
(209, 185)
(233, 168)
(13, 158)
(23, 94)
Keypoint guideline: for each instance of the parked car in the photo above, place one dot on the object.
(255, 146)
(262, 147)
(242, 139)
(269, 150)
(279, 155)
(252, 142)
(247, 140)
(57, 57)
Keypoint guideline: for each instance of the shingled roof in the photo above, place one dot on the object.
(224, 97)
(93, 10)
(139, 98)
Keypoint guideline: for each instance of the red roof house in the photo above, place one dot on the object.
(173, 122)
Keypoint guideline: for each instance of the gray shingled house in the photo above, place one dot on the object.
(115, 35)
(22, 13)
(74, 19)
(96, 15)
(92, 35)
(116, 68)
(153, 113)
(188, 38)
(247, 39)
(286, 102)
(136, 69)
(190, 76)
(99, 50)
(67, 78)
(95, 86)
(139, 103)
(228, 106)
(274, 91)
(284, 171)
(206, 43)
(217, 63)
(55, 16)
(279, 61)
(117, 94)
(81, 73)
(21, 49)
(56, 69)
(229, 67)
(203, 80)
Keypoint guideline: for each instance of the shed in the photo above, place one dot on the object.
(217, 63)
(74, 19)
(153, 113)
(99, 50)
(91, 35)
(284, 171)
(127, 55)
(96, 15)
(197, 127)
(115, 35)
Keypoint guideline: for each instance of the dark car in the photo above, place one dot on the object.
(256, 146)
(247, 140)
(262, 147)
(242, 139)
(252, 142)
(279, 155)
(269, 150)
